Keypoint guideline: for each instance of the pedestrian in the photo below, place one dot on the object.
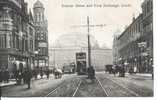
(27, 77)
(24, 76)
(88, 73)
(152, 71)
(91, 72)
(3, 75)
(35, 74)
(16, 76)
(135, 70)
(6, 74)
(41, 73)
(20, 77)
(130, 70)
(47, 73)
(123, 70)
(114, 70)
(0, 75)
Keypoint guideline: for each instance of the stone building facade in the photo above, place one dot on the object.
(135, 44)
(147, 36)
(16, 35)
(41, 36)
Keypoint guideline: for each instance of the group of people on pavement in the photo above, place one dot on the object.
(4, 75)
(24, 76)
(121, 70)
(27, 74)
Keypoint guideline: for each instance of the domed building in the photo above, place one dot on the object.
(41, 36)
(75, 40)
(38, 4)
(66, 46)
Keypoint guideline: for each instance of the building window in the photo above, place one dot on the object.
(17, 42)
(2, 40)
(11, 41)
(139, 28)
(26, 45)
(30, 31)
(148, 7)
(151, 4)
(145, 9)
(31, 45)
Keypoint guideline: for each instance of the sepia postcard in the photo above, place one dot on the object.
(76, 48)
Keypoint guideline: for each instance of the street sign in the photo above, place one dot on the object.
(81, 55)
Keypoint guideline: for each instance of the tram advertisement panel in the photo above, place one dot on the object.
(81, 62)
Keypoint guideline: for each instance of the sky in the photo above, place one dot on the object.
(63, 15)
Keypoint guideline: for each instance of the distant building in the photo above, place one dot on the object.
(70, 44)
(135, 44)
(41, 36)
(16, 36)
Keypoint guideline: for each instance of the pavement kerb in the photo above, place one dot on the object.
(139, 74)
(33, 79)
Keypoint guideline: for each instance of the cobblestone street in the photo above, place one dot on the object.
(105, 85)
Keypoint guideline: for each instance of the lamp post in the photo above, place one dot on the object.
(89, 46)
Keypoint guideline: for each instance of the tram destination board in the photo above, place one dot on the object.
(81, 63)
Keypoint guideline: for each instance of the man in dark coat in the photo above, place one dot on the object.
(27, 77)
(6, 73)
(0, 75)
(152, 71)
(47, 73)
(16, 76)
(19, 77)
(91, 72)
(35, 74)
(123, 70)
(41, 73)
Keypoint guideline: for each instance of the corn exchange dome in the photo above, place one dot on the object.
(75, 40)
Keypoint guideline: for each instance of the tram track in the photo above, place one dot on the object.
(136, 88)
(51, 92)
(69, 91)
(114, 89)
(102, 87)
(132, 92)
(90, 88)
(76, 89)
